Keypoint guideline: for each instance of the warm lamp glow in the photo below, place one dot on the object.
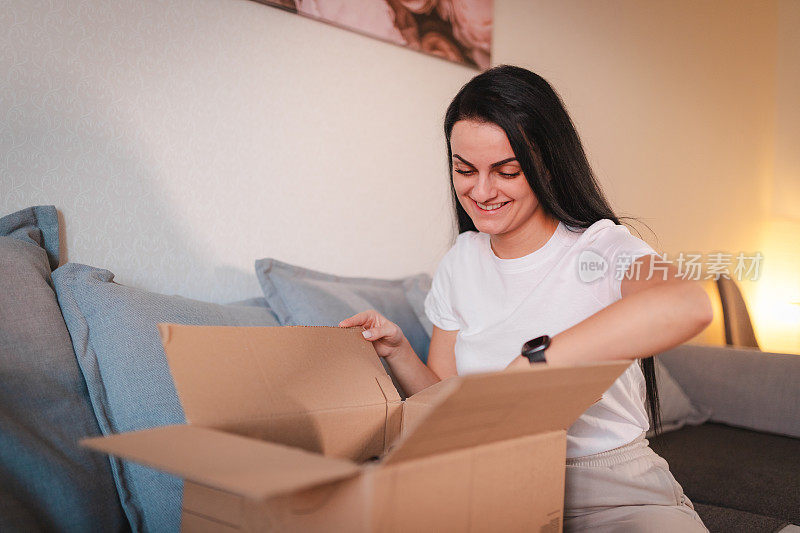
(775, 296)
(776, 322)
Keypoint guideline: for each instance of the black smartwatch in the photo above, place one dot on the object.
(534, 349)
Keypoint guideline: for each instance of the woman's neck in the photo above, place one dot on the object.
(526, 239)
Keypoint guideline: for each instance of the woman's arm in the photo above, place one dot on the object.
(652, 316)
(390, 343)
(412, 374)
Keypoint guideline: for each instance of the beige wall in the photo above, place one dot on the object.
(183, 140)
(786, 189)
(673, 101)
(690, 114)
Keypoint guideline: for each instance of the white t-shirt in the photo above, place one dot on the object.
(498, 304)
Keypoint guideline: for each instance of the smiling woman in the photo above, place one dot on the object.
(496, 195)
(512, 291)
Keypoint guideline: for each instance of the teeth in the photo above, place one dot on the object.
(491, 207)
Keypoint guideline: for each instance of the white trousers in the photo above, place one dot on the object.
(629, 488)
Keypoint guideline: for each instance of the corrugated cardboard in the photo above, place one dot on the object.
(300, 429)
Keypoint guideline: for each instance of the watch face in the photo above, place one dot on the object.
(534, 345)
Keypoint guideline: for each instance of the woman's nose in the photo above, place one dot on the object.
(484, 188)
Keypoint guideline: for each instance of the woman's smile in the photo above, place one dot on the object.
(492, 208)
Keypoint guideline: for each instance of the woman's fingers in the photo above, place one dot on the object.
(384, 334)
(383, 331)
(376, 333)
(376, 327)
(358, 319)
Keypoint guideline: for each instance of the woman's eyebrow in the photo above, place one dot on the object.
(493, 165)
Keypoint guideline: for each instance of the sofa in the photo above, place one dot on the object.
(80, 356)
(738, 455)
(740, 468)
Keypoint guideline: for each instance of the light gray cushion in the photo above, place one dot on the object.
(47, 482)
(416, 289)
(257, 301)
(300, 296)
(113, 330)
(675, 407)
(741, 386)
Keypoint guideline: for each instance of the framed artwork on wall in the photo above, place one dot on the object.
(456, 30)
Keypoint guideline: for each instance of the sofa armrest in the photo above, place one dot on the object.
(741, 386)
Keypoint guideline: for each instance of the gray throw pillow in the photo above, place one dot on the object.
(47, 482)
(113, 330)
(676, 408)
(301, 296)
(416, 289)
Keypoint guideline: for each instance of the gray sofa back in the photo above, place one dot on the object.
(743, 387)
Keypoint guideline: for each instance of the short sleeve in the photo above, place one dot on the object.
(627, 249)
(438, 302)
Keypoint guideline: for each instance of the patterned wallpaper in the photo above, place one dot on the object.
(182, 140)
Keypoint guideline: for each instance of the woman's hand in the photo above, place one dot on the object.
(385, 335)
(390, 343)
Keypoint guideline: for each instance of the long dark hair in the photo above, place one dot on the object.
(549, 151)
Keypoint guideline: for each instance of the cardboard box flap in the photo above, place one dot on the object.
(417, 406)
(433, 394)
(224, 375)
(248, 467)
(484, 408)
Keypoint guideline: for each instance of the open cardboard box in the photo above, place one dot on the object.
(300, 428)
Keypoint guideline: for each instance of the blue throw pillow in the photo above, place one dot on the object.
(416, 289)
(113, 330)
(47, 481)
(300, 296)
(37, 225)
